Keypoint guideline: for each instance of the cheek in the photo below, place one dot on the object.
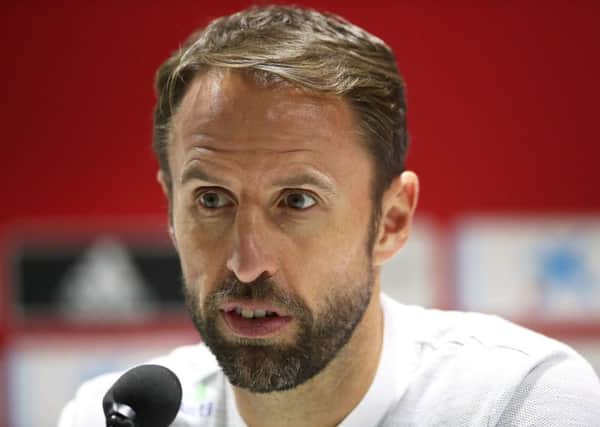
(329, 264)
(347, 243)
(200, 255)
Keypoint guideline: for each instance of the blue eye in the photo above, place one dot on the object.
(299, 200)
(213, 200)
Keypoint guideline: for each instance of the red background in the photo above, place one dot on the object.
(503, 103)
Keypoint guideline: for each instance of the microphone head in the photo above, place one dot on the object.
(152, 391)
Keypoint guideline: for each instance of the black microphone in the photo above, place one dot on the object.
(145, 396)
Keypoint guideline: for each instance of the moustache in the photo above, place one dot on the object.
(262, 289)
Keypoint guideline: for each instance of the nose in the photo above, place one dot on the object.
(252, 253)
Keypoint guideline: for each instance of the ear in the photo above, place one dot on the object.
(165, 185)
(398, 206)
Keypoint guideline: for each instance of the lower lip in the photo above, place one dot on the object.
(255, 328)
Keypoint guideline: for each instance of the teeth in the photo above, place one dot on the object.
(251, 314)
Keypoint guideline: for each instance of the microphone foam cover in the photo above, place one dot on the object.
(152, 391)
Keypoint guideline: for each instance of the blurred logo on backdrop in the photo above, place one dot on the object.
(104, 280)
(98, 277)
(541, 268)
(566, 279)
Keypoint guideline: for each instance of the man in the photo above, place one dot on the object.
(281, 137)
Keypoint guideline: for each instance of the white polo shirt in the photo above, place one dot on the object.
(437, 368)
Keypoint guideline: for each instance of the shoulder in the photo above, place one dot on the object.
(193, 365)
(473, 365)
(440, 328)
(470, 335)
(559, 391)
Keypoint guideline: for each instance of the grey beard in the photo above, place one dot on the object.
(263, 367)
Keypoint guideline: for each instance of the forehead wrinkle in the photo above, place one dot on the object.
(203, 149)
(300, 175)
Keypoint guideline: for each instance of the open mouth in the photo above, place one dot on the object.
(254, 314)
(254, 322)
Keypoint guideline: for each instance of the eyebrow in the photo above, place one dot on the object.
(308, 178)
(196, 173)
(315, 179)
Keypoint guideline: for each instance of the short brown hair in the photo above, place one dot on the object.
(320, 52)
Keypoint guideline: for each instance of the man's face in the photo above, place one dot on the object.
(272, 219)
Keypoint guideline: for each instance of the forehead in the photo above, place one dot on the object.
(250, 135)
(232, 107)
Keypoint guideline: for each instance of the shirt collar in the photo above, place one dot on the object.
(396, 364)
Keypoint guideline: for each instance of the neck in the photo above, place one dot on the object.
(349, 374)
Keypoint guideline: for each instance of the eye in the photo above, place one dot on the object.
(299, 200)
(212, 199)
